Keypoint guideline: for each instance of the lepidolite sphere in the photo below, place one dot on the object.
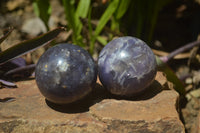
(65, 73)
(127, 66)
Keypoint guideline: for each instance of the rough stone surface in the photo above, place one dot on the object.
(153, 112)
(34, 27)
(191, 110)
(196, 126)
(198, 123)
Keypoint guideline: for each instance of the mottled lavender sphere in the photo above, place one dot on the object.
(65, 73)
(127, 66)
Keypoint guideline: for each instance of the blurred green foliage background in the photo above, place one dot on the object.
(115, 15)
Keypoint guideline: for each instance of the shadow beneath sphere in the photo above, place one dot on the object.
(98, 94)
(150, 92)
(154, 89)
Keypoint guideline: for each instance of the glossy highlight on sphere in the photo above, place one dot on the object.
(65, 73)
(127, 66)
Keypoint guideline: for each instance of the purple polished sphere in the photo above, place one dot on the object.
(127, 66)
(65, 73)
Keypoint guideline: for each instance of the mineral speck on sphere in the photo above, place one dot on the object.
(65, 73)
(127, 66)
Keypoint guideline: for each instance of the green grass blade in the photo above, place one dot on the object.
(102, 40)
(119, 13)
(42, 9)
(29, 45)
(90, 23)
(102, 22)
(115, 24)
(83, 8)
(81, 11)
(106, 16)
(70, 14)
(123, 7)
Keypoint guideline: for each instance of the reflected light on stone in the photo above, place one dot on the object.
(123, 54)
(59, 62)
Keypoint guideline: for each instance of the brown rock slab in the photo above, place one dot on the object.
(24, 110)
(151, 115)
(190, 113)
(196, 126)
(198, 123)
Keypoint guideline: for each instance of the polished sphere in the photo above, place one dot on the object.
(65, 73)
(126, 66)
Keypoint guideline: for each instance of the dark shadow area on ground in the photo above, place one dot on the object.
(98, 94)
